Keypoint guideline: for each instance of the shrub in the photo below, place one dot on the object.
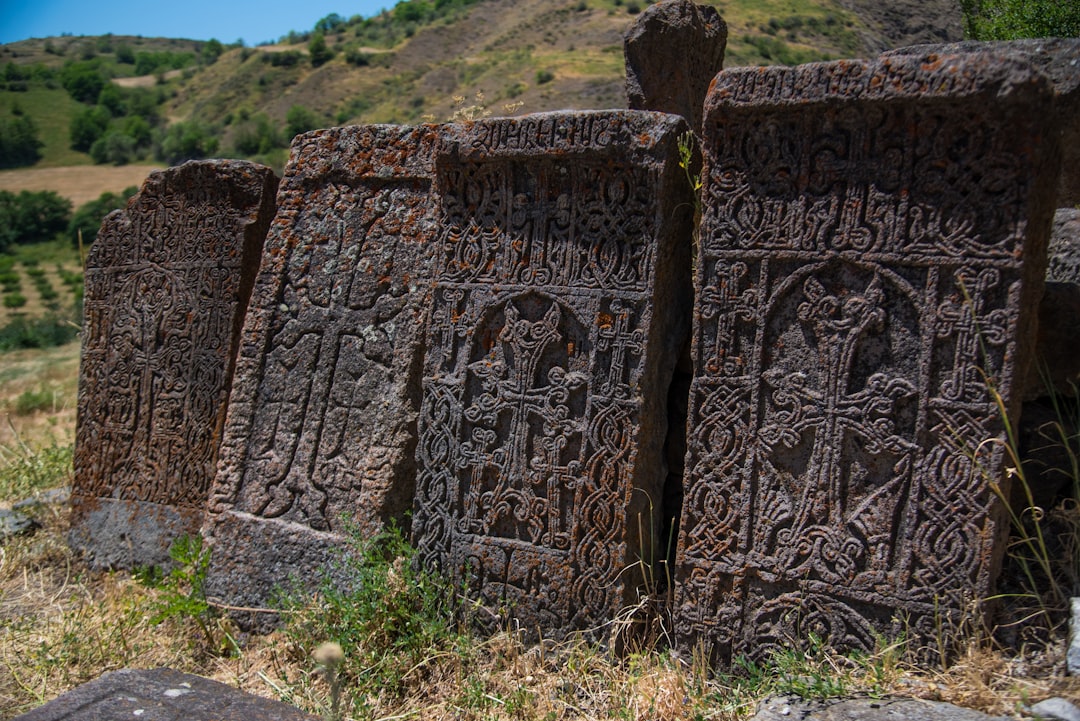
(31, 401)
(187, 141)
(25, 471)
(1015, 19)
(391, 621)
(320, 53)
(31, 216)
(87, 126)
(357, 57)
(544, 76)
(88, 220)
(114, 147)
(300, 120)
(83, 81)
(19, 142)
(14, 300)
(45, 332)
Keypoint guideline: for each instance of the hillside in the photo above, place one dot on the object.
(418, 62)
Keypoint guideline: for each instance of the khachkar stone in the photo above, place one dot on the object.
(1064, 266)
(1059, 60)
(560, 304)
(167, 282)
(673, 51)
(873, 242)
(321, 431)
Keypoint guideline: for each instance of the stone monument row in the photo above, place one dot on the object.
(473, 331)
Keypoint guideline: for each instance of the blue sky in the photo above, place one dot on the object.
(227, 20)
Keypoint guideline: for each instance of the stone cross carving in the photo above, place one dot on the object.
(871, 252)
(167, 281)
(323, 422)
(557, 316)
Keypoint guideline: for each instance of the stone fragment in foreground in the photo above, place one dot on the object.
(321, 431)
(1059, 60)
(560, 304)
(873, 242)
(1064, 265)
(167, 282)
(161, 694)
(673, 51)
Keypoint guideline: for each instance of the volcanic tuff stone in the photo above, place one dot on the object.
(161, 694)
(1059, 60)
(793, 708)
(1064, 265)
(868, 228)
(322, 423)
(673, 51)
(559, 308)
(167, 281)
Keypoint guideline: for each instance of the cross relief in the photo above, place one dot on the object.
(820, 530)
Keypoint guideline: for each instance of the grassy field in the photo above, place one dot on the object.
(51, 110)
(79, 183)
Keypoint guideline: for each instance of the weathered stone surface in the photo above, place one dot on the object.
(870, 228)
(1059, 60)
(1064, 264)
(560, 305)
(14, 523)
(1072, 657)
(1057, 709)
(321, 430)
(673, 51)
(167, 282)
(793, 708)
(161, 695)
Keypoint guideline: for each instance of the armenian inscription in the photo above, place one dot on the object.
(167, 282)
(556, 317)
(322, 427)
(872, 249)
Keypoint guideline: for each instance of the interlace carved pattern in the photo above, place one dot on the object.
(163, 291)
(323, 416)
(537, 361)
(860, 277)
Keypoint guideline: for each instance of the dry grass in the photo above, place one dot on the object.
(52, 374)
(61, 625)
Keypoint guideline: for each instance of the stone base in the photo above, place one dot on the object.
(115, 533)
(253, 559)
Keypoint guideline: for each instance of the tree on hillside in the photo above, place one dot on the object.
(31, 217)
(300, 120)
(320, 53)
(83, 81)
(19, 142)
(211, 51)
(1016, 19)
(87, 126)
(187, 141)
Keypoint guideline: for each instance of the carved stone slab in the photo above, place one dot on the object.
(560, 304)
(1059, 60)
(673, 50)
(322, 428)
(167, 282)
(873, 242)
